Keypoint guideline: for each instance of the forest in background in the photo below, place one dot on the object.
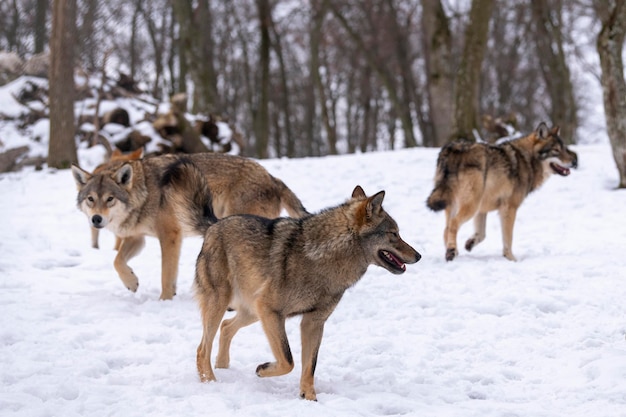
(326, 77)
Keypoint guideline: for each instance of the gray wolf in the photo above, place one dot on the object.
(270, 270)
(473, 179)
(171, 197)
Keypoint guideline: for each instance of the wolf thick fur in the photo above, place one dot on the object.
(270, 270)
(473, 179)
(170, 197)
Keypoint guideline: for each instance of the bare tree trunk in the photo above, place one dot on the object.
(437, 41)
(549, 41)
(310, 100)
(197, 52)
(329, 127)
(11, 30)
(62, 147)
(468, 74)
(285, 94)
(41, 11)
(387, 79)
(157, 40)
(261, 119)
(133, 39)
(86, 38)
(610, 43)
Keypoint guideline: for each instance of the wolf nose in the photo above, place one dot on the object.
(96, 221)
(417, 256)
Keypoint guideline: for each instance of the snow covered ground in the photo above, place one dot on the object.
(480, 336)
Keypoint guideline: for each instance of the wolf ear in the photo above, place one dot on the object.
(80, 176)
(358, 192)
(542, 131)
(136, 154)
(375, 204)
(124, 175)
(555, 131)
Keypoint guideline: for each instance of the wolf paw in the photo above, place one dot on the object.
(261, 370)
(309, 395)
(469, 245)
(510, 257)
(451, 254)
(132, 286)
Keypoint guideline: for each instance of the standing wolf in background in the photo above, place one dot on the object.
(116, 155)
(473, 179)
(172, 196)
(270, 270)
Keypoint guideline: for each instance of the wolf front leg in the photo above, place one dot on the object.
(129, 247)
(311, 331)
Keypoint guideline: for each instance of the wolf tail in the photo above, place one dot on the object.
(185, 185)
(289, 201)
(441, 195)
(439, 198)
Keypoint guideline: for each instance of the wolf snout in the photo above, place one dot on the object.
(97, 221)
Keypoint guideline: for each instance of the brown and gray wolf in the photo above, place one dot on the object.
(116, 155)
(473, 179)
(270, 270)
(171, 197)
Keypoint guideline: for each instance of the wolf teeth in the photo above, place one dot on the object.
(392, 259)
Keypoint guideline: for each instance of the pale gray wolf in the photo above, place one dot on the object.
(473, 179)
(116, 155)
(270, 270)
(171, 197)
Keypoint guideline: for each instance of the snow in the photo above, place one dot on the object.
(479, 336)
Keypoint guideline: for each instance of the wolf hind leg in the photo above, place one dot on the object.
(454, 220)
(228, 330)
(274, 328)
(129, 248)
(507, 220)
(212, 310)
(170, 239)
(480, 223)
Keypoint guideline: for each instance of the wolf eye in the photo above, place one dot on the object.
(109, 199)
(90, 199)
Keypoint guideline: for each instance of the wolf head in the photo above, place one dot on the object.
(379, 234)
(553, 153)
(103, 196)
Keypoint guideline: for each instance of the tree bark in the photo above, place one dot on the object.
(549, 41)
(285, 96)
(387, 79)
(261, 115)
(610, 43)
(329, 126)
(41, 12)
(197, 49)
(62, 146)
(468, 75)
(437, 41)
